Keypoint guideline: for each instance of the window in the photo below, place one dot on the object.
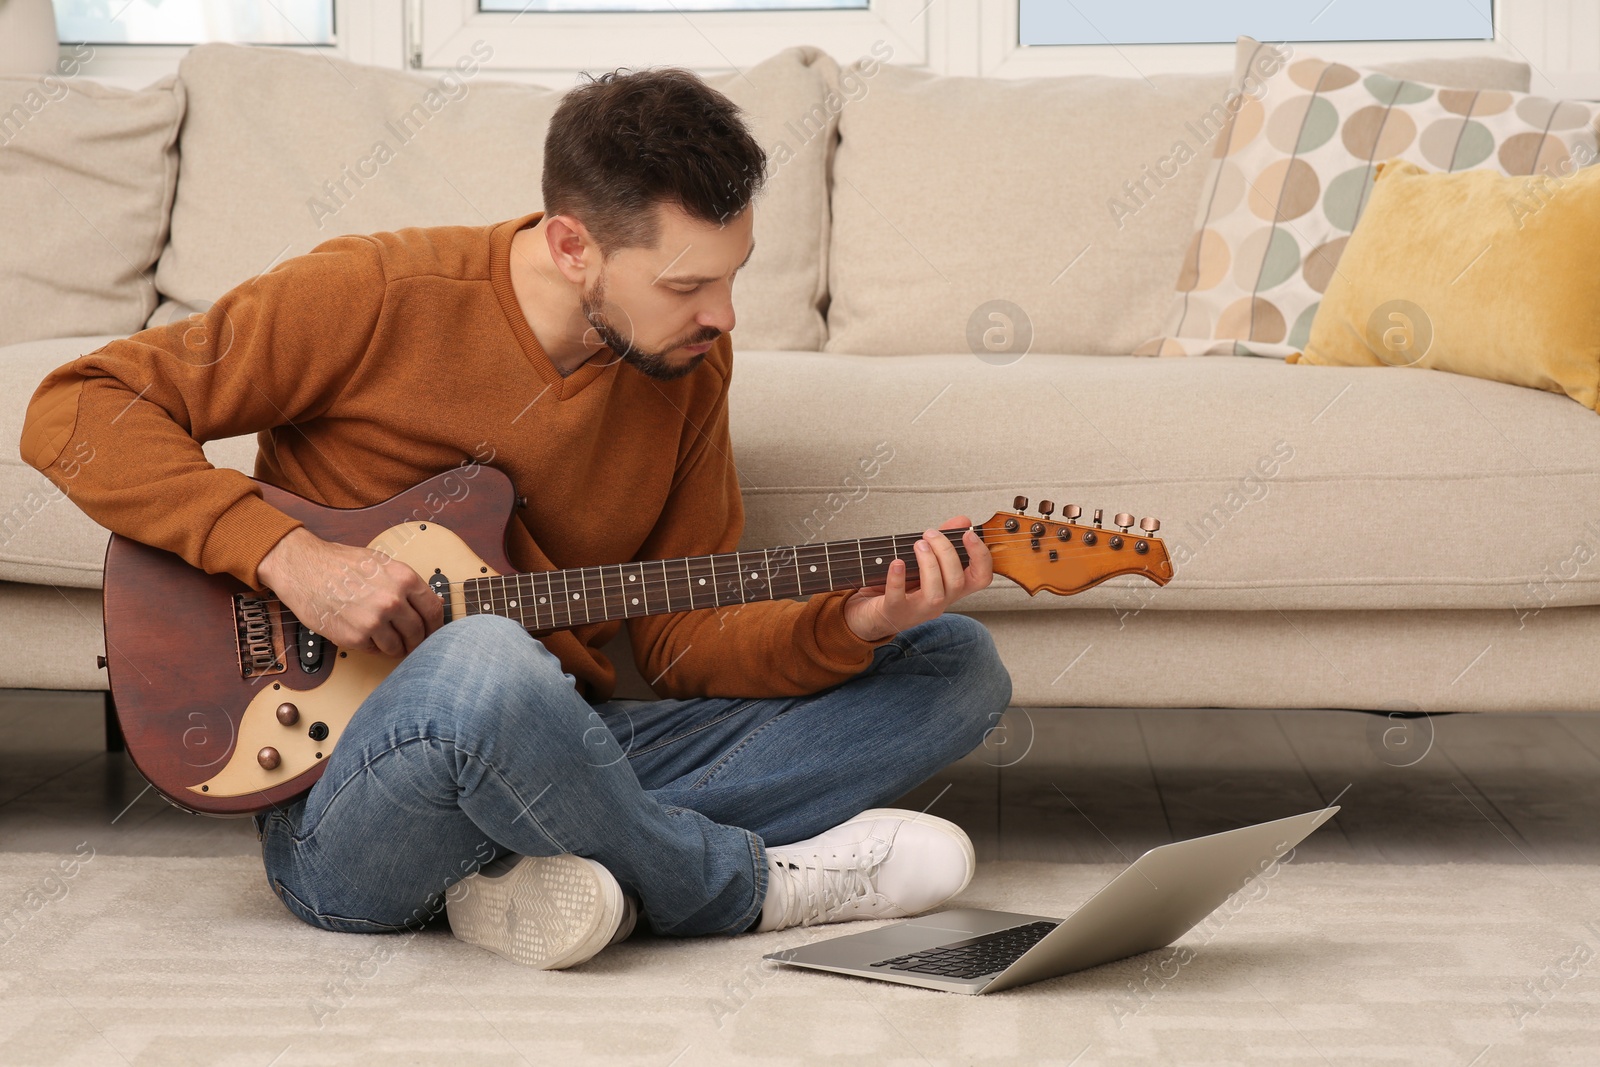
(1100, 22)
(281, 22)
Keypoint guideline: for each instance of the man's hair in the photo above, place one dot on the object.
(626, 141)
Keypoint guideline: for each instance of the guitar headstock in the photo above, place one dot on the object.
(1069, 557)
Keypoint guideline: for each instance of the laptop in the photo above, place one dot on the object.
(1161, 896)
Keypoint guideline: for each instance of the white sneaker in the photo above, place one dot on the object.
(548, 912)
(885, 863)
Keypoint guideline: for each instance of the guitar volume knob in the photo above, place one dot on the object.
(288, 714)
(268, 758)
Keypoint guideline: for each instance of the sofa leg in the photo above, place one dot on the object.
(114, 741)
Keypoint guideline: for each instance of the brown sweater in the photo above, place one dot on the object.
(376, 361)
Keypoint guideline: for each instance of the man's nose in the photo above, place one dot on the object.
(719, 317)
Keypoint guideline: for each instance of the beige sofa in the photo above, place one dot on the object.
(1357, 538)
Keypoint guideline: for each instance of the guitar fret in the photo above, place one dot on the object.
(755, 576)
(666, 588)
(823, 585)
(861, 562)
(545, 598)
(877, 562)
(688, 581)
(699, 571)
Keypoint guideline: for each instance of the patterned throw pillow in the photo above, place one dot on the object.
(1295, 168)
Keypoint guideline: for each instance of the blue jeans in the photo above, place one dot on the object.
(478, 744)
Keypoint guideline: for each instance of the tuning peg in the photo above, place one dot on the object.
(1021, 503)
(1149, 525)
(1097, 513)
(1123, 520)
(1046, 507)
(1071, 512)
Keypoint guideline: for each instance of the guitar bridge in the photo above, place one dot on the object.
(258, 626)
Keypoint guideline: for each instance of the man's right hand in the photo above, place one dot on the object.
(358, 598)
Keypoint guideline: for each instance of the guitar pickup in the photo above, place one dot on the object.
(309, 649)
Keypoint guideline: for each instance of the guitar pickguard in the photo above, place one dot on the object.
(323, 712)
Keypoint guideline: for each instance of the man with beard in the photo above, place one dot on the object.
(584, 350)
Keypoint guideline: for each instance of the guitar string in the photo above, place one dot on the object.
(1064, 548)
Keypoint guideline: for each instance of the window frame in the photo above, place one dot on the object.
(558, 44)
(364, 31)
(1532, 31)
(1560, 39)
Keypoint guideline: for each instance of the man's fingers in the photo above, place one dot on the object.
(429, 606)
(980, 564)
(953, 571)
(388, 640)
(928, 569)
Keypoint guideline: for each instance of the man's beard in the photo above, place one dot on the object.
(651, 364)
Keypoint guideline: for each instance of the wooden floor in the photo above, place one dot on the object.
(1057, 784)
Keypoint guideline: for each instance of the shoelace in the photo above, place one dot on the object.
(821, 885)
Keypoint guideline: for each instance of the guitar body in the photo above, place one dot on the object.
(197, 722)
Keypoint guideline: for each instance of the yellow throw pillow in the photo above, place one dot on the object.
(1472, 272)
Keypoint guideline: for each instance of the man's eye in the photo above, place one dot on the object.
(691, 289)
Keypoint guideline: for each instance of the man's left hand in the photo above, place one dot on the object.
(880, 611)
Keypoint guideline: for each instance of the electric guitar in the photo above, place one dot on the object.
(230, 705)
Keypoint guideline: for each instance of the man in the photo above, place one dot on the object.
(584, 350)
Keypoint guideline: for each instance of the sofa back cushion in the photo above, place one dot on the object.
(87, 173)
(282, 151)
(1046, 214)
(1294, 172)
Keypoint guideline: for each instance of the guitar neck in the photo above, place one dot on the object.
(559, 600)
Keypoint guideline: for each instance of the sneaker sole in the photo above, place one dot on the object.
(949, 828)
(548, 912)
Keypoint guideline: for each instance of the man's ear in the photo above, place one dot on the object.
(572, 249)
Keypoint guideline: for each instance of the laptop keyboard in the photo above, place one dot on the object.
(975, 957)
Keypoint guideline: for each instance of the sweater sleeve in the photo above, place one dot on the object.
(119, 430)
(760, 649)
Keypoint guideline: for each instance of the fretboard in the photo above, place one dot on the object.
(561, 600)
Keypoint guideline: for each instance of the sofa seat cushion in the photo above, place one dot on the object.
(44, 537)
(282, 151)
(1278, 486)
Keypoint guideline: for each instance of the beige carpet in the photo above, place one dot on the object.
(145, 961)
